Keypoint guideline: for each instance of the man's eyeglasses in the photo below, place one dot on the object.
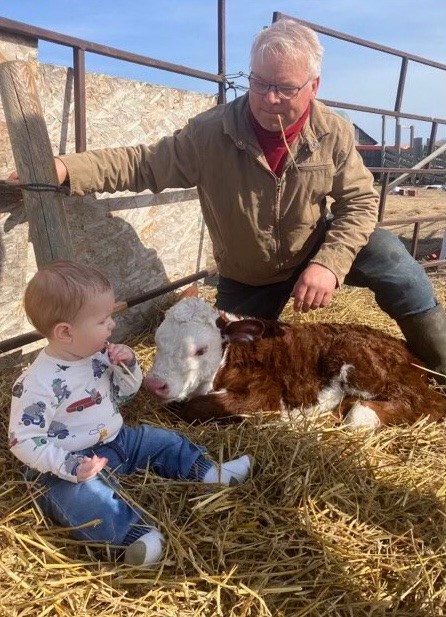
(283, 92)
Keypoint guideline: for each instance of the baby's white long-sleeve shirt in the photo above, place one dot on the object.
(60, 407)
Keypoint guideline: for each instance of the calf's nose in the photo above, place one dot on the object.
(156, 386)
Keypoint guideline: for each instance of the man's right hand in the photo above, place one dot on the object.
(61, 170)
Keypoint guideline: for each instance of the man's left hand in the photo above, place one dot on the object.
(314, 288)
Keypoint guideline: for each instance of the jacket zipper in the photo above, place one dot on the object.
(277, 225)
(278, 182)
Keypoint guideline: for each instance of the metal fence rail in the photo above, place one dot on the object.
(80, 47)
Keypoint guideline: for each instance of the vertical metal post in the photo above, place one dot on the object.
(398, 141)
(221, 50)
(443, 247)
(398, 101)
(402, 81)
(415, 236)
(80, 116)
(383, 144)
(383, 196)
(432, 138)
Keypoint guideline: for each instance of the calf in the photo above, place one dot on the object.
(221, 366)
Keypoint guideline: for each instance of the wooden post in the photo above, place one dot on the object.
(34, 160)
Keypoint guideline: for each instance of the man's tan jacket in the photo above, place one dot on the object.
(261, 226)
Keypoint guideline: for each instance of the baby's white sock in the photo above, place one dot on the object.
(230, 473)
(146, 550)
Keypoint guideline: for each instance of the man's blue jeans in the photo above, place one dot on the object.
(168, 453)
(384, 265)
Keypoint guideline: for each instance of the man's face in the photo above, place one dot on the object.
(271, 69)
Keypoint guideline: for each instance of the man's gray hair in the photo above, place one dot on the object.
(293, 41)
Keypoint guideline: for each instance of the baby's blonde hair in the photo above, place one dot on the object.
(57, 292)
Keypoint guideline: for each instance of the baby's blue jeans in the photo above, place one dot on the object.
(165, 452)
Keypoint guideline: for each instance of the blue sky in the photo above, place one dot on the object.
(185, 31)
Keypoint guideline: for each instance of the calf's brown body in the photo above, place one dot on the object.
(286, 367)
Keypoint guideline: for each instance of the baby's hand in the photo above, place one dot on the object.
(120, 353)
(90, 467)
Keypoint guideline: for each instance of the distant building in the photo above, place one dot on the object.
(367, 147)
(362, 138)
(393, 155)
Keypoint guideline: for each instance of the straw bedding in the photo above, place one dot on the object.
(331, 523)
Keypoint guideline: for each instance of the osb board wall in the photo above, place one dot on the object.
(139, 241)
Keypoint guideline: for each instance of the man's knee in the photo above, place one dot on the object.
(400, 284)
(383, 257)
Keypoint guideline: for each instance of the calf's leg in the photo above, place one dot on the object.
(215, 407)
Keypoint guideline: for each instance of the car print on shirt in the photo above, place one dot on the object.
(39, 441)
(17, 389)
(116, 396)
(95, 398)
(60, 390)
(58, 429)
(101, 431)
(13, 441)
(99, 368)
(72, 462)
(34, 414)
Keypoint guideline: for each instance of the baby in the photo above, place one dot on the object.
(65, 421)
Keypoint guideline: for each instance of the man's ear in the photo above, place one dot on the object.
(315, 86)
(62, 332)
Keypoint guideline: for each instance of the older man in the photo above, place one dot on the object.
(264, 166)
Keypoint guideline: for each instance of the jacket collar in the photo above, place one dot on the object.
(236, 124)
(315, 128)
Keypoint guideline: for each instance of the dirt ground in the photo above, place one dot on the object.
(426, 203)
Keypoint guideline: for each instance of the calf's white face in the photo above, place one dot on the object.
(188, 351)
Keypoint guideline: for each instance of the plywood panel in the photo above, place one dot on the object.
(139, 248)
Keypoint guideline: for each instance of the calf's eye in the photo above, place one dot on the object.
(201, 350)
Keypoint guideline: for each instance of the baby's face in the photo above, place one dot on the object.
(93, 324)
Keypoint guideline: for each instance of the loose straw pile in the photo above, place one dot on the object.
(332, 523)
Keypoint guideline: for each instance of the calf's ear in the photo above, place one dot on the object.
(243, 331)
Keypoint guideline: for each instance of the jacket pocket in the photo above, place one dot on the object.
(314, 182)
(315, 167)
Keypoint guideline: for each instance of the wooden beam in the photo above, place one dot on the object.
(34, 160)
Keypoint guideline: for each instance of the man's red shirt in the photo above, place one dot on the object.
(272, 143)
